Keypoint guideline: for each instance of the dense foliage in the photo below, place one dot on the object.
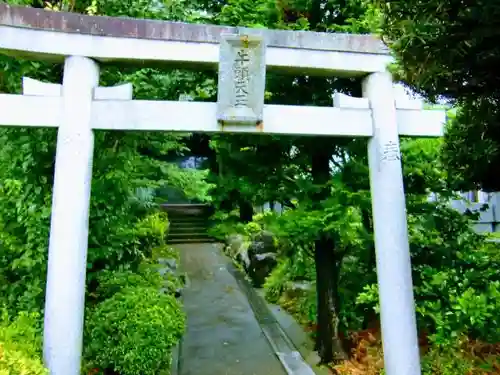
(133, 331)
(20, 345)
(448, 49)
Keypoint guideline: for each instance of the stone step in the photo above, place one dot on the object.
(187, 214)
(183, 224)
(188, 224)
(189, 235)
(188, 228)
(190, 220)
(191, 240)
(193, 223)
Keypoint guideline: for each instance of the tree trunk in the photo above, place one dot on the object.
(367, 223)
(288, 203)
(324, 334)
(271, 206)
(246, 210)
(328, 344)
(230, 201)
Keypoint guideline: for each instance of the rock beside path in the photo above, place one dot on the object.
(257, 255)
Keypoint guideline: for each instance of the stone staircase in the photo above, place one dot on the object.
(189, 223)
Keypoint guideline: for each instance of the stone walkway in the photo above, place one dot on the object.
(223, 336)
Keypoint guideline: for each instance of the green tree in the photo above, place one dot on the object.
(448, 49)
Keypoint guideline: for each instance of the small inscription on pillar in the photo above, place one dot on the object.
(390, 152)
(242, 78)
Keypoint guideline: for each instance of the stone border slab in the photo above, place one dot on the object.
(291, 359)
(121, 27)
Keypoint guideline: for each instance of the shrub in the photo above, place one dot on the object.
(223, 229)
(152, 230)
(455, 276)
(462, 357)
(134, 331)
(265, 217)
(252, 228)
(448, 362)
(148, 274)
(301, 305)
(112, 282)
(20, 344)
(15, 362)
(275, 282)
(227, 224)
(164, 252)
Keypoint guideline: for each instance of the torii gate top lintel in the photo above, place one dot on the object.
(23, 31)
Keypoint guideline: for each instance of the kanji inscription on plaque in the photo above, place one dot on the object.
(242, 78)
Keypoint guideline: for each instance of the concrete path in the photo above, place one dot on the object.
(223, 336)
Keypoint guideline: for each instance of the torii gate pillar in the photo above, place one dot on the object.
(397, 309)
(65, 295)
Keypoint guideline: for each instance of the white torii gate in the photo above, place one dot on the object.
(79, 106)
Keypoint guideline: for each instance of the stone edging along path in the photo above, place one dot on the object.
(285, 350)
